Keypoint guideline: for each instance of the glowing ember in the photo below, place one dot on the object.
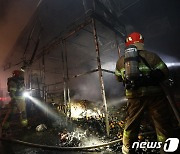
(79, 110)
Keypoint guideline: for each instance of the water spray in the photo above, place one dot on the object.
(41, 105)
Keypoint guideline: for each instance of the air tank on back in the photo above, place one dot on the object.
(131, 63)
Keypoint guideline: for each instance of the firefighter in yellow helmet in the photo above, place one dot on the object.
(141, 72)
(16, 88)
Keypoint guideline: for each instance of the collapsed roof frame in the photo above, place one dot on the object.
(90, 19)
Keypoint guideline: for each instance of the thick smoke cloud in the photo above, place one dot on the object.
(14, 16)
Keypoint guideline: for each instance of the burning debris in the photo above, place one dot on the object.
(88, 129)
(82, 109)
(41, 127)
(79, 138)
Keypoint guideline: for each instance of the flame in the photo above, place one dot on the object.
(79, 110)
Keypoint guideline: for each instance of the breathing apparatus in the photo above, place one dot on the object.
(131, 62)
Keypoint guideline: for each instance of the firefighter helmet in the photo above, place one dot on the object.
(134, 37)
(17, 73)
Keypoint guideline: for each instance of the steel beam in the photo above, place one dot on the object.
(100, 75)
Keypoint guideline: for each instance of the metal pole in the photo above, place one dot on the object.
(45, 98)
(30, 79)
(171, 101)
(56, 41)
(67, 77)
(82, 74)
(108, 71)
(45, 93)
(43, 76)
(64, 80)
(100, 76)
(77, 29)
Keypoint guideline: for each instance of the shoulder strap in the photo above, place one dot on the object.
(145, 62)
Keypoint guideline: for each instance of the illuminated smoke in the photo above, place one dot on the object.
(109, 66)
(17, 15)
(171, 61)
(176, 64)
(44, 107)
(14, 17)
(117, 102)
(87, 88)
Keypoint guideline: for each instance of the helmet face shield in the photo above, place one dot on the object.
(134, 37)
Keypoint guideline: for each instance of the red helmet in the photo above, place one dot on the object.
(17, 73)
(134, 37)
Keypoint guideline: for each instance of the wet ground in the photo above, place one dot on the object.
(80, 133)
(51, 137)
(77, 133)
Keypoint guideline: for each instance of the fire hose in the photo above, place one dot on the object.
(171, 101)
(165, 88)
(47, 147)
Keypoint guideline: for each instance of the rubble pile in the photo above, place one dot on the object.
(93, 129)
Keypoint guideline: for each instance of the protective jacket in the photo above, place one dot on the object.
(146, 84)
(146, 95)
(15, 87)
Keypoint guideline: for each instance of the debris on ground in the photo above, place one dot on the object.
(41, 127)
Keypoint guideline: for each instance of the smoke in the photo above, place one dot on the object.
(129, 29)
(3, 5)
(87, 87)
(14, 16)
(173, 64)
(109, 65)
(170, 61)
(118, 102)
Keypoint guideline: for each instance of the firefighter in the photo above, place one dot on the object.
(141, 72)
(16, 88)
